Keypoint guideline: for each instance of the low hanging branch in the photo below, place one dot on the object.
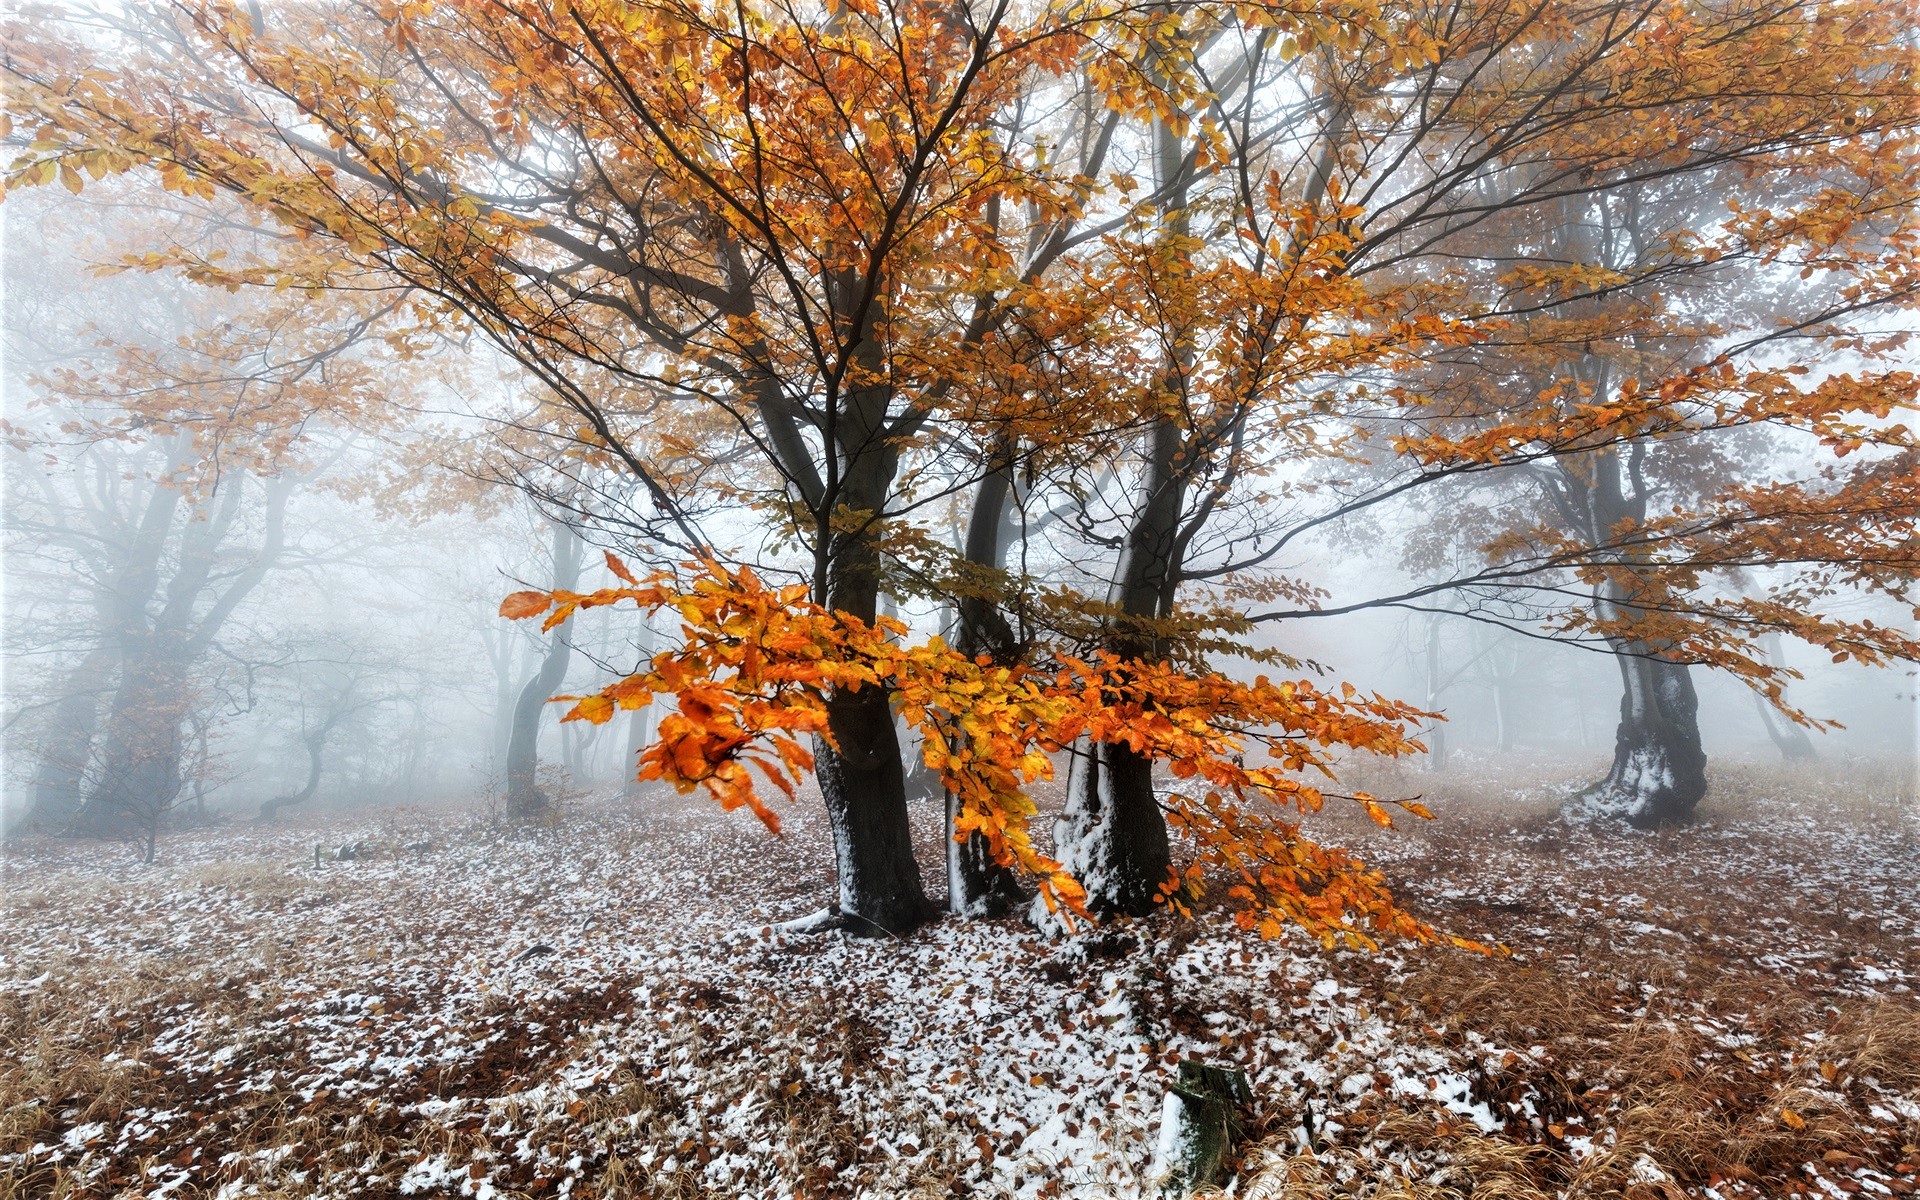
(758, 666)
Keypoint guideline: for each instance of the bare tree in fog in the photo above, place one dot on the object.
(525, 797)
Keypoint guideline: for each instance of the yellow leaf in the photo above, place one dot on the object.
(595, 710)
(1792, 1119)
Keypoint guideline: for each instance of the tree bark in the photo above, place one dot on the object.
(524, 796)
(863, 781)
(865, 790)
(316, 743)
(1659, 770)
(977, 886)
(59, 778)
(139, 772)
(1111, 833)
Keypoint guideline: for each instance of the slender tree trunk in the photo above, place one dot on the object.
(640, 721)
(977, 886)
(1502, 721)
(1788, 738)
(316, 743)
(59, 779)
(524, 797)
(1437, 730)
(1659, 770)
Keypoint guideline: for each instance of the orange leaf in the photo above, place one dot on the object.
(620, 569)
(592, 709)
(522, 605)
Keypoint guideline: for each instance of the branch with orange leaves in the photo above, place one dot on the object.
(757, 666)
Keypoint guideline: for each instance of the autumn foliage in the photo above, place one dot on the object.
(758, 667)
(1206, 281)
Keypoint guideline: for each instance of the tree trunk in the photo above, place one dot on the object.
(863, 782)
(316, 743)
(977, 886)
(1112, 834)
(139, 775)
(1788, 738)
(59, 777)
(1659, 768)
(640, 720)
(865, 790)
(524, 797)
(1502, 721)
(1436, 732)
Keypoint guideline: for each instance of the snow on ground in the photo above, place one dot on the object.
(603, 1007)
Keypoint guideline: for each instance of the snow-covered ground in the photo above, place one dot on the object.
(603, 1007)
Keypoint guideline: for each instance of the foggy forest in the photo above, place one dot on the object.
(1041, 599)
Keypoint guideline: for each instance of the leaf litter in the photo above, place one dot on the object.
(604, 1006)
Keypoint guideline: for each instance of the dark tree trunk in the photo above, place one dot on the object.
(865, 791)
(864, 782)
(524, 796)
(1112, 834)
(977, 886)
(59, 779)
(139, 770)
(316, 743)
(1659, 768)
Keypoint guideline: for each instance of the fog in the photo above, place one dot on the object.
(373, 621)
(928, 600)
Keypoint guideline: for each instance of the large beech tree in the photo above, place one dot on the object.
(800, 219)
(1146, 261)
(1448, 187)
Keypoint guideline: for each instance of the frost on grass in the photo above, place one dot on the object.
(1731, 1007)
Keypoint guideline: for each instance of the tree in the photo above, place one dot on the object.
(759, 666)
(761, 212)
(164, 487)
(524, 796)
(853, 241)
(336, 687)
(1405, 234)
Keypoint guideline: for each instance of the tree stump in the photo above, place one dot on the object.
(1198, 1126)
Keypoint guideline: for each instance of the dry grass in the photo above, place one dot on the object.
(1702, 1003)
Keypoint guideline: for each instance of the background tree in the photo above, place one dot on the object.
(172, 436)
(524, 795)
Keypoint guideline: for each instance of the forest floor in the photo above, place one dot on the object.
(600, 1007)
